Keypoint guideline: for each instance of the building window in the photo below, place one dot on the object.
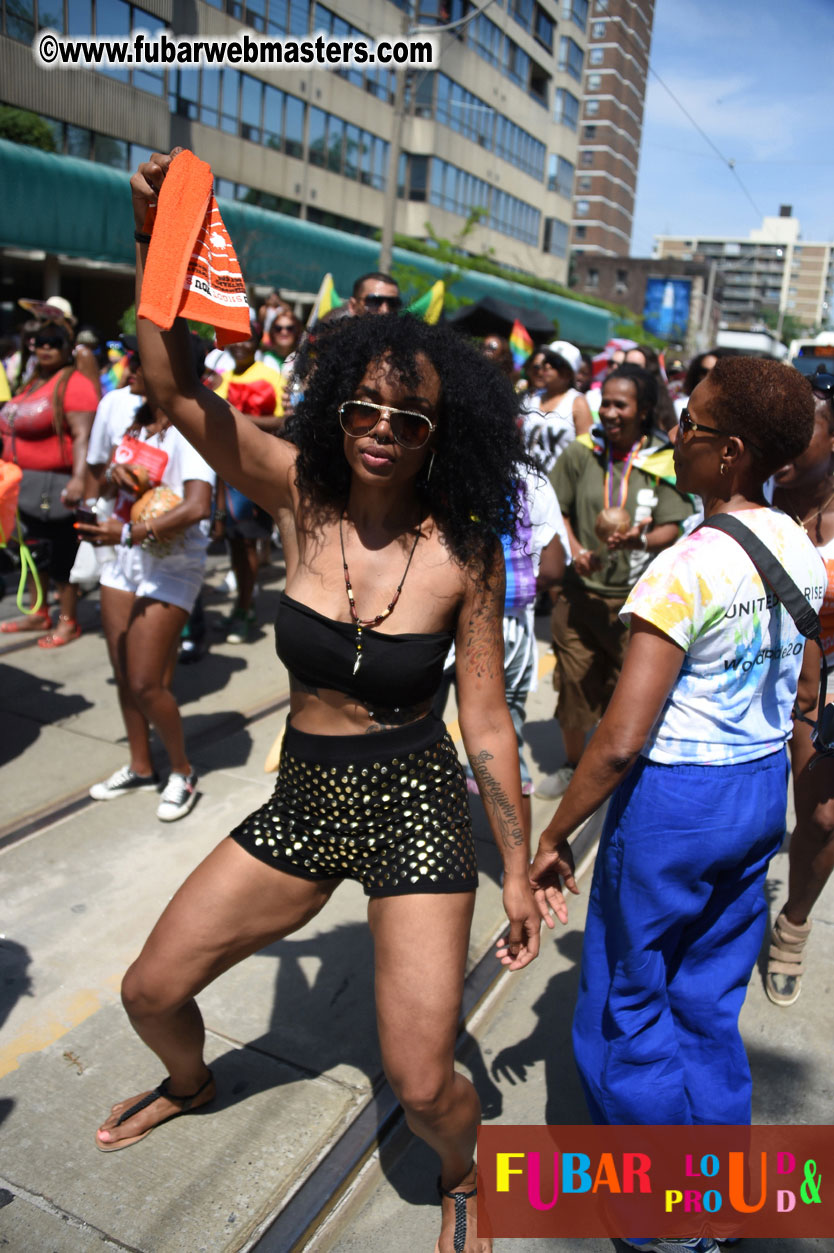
(589, 134)
(460, 192)
(598, 30)
(591, 108)
(601, 6)
(596, 56)
(592, 277)
(523, 12)
(544, 29)
(576, 11)
(560, 175)
(580, 232)
(584, 184)
(587, 157)
(539, 84)
(622, 282)
(566, 108)
(555, 237)
(570, 57)
(583, 208)
(418, 177)
(594, 82)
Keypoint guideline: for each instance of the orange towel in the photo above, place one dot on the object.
(191, 269)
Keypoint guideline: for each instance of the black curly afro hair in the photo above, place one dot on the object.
(470, 493)
(766, 403)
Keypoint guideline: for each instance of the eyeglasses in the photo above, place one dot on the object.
(376, 302)
(823, 383)
(50, 341)
(686, 423)
(360, 417)
(284, 326)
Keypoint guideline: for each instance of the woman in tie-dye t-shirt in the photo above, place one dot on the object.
(805, 490)
(692, 747)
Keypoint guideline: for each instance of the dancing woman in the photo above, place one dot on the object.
(389, 504)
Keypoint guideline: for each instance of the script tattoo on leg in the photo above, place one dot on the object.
(504, 812)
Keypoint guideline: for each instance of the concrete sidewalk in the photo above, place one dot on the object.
(80, 895)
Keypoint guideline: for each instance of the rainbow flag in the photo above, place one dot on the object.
(521, 345)
(429, 306)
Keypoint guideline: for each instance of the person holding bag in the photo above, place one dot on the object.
(45, 429)
(160, 532)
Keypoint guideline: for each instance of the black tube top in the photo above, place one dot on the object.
(396, 670)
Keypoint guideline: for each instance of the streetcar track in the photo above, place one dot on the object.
(76, 802)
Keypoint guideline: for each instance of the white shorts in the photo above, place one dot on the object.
(174, 580)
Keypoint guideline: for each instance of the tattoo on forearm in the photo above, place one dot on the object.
(504, 812)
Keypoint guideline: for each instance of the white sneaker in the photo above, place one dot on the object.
(123, 781)
(178, 798)
(555, 785)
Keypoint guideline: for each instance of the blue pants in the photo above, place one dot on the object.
(676, 918)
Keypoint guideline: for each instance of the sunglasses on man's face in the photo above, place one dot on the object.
(408, 429)
(376, 302)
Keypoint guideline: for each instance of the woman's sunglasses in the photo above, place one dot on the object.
(284, 326)
(50, 341)
(360, 417)
(686, 423)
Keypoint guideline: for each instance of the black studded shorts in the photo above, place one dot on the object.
(389, 809)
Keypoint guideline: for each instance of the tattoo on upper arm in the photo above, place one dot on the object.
(504, 813)
(484, 646)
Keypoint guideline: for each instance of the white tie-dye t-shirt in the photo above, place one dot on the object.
(733, 698)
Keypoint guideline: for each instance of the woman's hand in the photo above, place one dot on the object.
(109, 531)
(634, 537)
(73, 492)
(521, 945)
(551, 869)
(146, 182)
(585, 562)
(125, 478)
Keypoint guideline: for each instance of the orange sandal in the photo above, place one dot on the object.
(54, 640)
(40, 620)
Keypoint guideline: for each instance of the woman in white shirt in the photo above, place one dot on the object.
(147, 594)
(556, 412)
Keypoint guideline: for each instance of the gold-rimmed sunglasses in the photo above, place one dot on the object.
(408, 429)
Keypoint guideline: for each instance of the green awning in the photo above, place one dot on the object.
(82, 209)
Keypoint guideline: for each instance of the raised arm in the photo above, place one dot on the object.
(251, 460)
(490, 743)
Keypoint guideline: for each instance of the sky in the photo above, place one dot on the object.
(758, 78)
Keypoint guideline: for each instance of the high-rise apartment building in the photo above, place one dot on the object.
(771, 271)
(489, 128)
(611, 124)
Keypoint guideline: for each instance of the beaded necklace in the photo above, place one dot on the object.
(362, 623)
(623, 491)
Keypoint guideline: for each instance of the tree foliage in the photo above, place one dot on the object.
(22, 127)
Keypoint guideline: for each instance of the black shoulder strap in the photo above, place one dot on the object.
(772, 571)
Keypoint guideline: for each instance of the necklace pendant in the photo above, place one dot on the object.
(358, 662)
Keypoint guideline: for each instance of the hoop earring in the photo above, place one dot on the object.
(431, 465)
(723, 469)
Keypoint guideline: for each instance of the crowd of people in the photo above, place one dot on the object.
(411, 558)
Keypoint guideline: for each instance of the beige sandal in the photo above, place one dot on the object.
(784, 963)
